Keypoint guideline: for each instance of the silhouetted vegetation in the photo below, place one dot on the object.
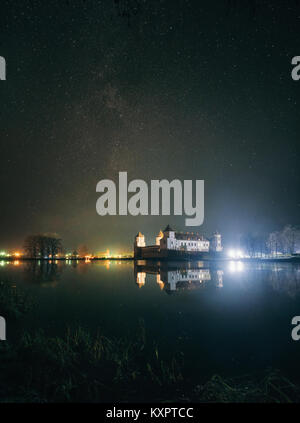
(284, 241)
(46, 245)
(84, 367)
(79, 367)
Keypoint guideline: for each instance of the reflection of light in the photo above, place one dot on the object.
(220, 278)
(235, 254)
(240, 266)
(2, 263)
(141, 278)
(16, 263)
(88, 258)
(159, 281)
(236, 266)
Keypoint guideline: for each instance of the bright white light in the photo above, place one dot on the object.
(235, 266)
(232, 267)
(231, 253)
(240, 266)
(235, 254)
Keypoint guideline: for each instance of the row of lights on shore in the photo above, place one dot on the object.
(4, 254)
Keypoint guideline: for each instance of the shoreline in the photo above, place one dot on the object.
(295, 259)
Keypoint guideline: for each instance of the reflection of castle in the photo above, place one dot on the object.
(177, 244)
(177, 277)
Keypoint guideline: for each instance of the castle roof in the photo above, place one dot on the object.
(139, 234)
(190, 236)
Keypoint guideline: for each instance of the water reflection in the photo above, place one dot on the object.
(285, 278)
(176, 276)
(235, 266)
(169, 276)
(42, 272)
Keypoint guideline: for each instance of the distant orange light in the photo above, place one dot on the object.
(17, 254)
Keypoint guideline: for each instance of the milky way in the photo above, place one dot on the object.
(160, 89)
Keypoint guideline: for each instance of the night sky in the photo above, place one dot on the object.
(168, 89)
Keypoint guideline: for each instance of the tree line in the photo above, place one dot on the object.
(49, 245)
(42, 245)
(284, 241)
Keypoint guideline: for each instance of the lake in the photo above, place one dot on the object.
(230, 318)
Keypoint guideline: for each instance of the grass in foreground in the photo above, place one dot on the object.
(81, 367)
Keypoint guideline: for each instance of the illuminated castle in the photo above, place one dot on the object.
(172, 243)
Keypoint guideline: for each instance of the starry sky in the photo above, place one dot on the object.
(159, 88)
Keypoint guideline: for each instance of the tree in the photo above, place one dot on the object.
(42, 245)
(54, 245)
(274, 243)
(260, 245)
(31, 246)
(289, 236)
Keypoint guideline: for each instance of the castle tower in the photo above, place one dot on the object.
(140, 240)
(159, 237)
(216, 242)
(168, 240)
(169, 232)
(138, 244)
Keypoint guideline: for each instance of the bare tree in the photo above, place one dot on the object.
(31, 246)
(289, 235)
(42, 245)
(274, 243)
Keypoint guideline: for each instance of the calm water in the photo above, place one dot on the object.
(231, 318)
